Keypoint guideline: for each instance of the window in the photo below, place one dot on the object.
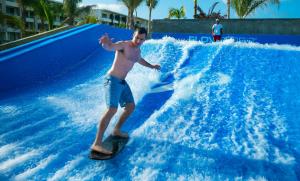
(29, 14)
(39, 26)
(29, 25)
(13, 36)
(2, 37)
(104, 15)
(123, 18)
(12, 11)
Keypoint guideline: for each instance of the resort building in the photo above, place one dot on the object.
(33, 24)
(116, 19)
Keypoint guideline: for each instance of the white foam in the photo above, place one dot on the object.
(72, 101)
(163, 88)
(163, 40)
(254, 128)
(66, 169)
(192, 90)
(267, 46)
(223, 79)
(4, 150)
(257, 178)
(231, 41)
(21, 129)
(283, 158)
(30, 172)
(144, 174)
(13, 162)
(89, 172)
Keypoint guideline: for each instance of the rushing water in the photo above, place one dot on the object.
(215, 111)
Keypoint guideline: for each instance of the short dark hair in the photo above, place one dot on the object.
(141, 30)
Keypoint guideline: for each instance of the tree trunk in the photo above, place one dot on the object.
(23, 14)
(228, 9)
(149, 21)
(43, 24)
(131, 22)
(195, 8)
(128, 19)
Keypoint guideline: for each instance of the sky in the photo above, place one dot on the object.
(286, 9)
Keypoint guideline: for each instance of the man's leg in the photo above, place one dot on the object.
(129, 108)
(97, 145)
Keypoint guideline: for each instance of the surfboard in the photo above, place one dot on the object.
(114, 143)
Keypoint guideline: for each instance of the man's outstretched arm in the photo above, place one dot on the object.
(146, 64)
(107, 44)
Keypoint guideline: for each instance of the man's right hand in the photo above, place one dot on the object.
(105, 40)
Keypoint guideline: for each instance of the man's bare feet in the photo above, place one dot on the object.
(120, 134)
(100, 149)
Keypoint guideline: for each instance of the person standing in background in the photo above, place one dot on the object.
(217, 31)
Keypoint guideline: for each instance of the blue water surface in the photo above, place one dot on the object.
(215, 111)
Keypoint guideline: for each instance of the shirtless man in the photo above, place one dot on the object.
(127, 53)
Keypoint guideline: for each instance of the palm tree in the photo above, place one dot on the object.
(228, 9)
(12, 21)
(56, 9)
(177, 13)
(70, 7)
(89, 19)
(131, 6)
(47, 13)
(195, 8)
(151, 4)
(40, 8)
(23, 4)
(72, 10)
(244, 7)
(210, 14)
(44, 9)
(47, 10)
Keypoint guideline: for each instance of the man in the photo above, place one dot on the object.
(127, 53)
(217, 30)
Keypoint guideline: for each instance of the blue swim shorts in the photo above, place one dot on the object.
(117, 91)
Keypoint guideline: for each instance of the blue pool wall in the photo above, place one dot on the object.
(24, 46)
(49, 58)
(54, 56)
(207, 38)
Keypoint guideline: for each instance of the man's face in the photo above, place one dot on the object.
(138, 39)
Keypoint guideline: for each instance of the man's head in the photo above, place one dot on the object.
(139, 36)
(217, 21)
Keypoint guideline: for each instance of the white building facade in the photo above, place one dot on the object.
(32, 24)
(116, 19)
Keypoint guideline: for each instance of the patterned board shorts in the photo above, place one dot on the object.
(117, 91)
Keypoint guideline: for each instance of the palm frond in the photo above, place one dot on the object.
(153, 3)
(48, 14)
(245, 7)
(211, 9)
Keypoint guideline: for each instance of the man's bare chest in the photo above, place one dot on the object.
(132, 54)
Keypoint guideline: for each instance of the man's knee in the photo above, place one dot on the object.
(130, 107)
(112, 110)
